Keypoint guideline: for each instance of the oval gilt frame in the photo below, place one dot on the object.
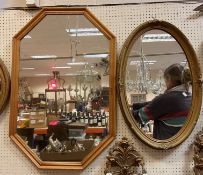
(4, 86)
(196, 84)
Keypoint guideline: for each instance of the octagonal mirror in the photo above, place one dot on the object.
(63, 88)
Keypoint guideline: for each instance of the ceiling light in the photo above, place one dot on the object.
(84, 32)
(27, 68)
(77, 63)
(183, 62)
(104, 55)
(61, 67)
(43, 56)
(27, 37)
(71, 74)
(42, 74)
(87, 72)
(157, 37)
(138, 62)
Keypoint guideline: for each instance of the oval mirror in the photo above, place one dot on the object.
(159, 84)
(63, 88)
(4, 86)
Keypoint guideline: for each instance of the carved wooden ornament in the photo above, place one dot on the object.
(123, 159)
(198, 153)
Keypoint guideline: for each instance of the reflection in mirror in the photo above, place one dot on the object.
(63, 102)
(158, 84)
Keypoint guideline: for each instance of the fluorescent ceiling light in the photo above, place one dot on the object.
(157, 38)
(42, 74)
(27, 68)
(88, 72)
(77, 63)
(27, 37)
(104, 55)
(61, 67)
(79, 74)
(183, 62)
(84, 32)
(138, 62)
(71, 74)
(43, 56)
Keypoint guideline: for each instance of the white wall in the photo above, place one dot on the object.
(121, 20)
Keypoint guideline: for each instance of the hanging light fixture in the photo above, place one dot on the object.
(143, 82)
(56, 82)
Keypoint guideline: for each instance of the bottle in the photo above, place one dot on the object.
(99, 120)
(104, 119)
(86, 118)
(91, 120)
(77, 116)
(107, 118)
(95, 120)
(74, 117)
(82, 120)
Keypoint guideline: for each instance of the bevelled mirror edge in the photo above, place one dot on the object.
(196, 84)
(14, 84)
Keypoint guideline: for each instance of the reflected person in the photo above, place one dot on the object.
(169, 110)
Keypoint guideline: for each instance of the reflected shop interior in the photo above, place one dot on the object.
(63, 104)
(151, 54)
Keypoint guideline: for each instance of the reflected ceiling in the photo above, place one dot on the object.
(53, 39)
(162, 53)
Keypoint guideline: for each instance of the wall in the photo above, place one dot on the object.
(121, 20)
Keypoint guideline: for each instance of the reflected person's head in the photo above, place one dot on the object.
(176, 75)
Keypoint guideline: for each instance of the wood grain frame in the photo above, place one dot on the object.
(14, 89)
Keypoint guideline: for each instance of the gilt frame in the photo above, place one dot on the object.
(196, 84)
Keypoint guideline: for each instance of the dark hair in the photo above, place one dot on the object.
(178, 75)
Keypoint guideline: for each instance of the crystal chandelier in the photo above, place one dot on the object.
(144, 82)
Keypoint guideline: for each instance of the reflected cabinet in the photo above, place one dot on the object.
(159, 84)
(63, 88)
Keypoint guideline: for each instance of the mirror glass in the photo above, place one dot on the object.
(158, 84)
(63, 100)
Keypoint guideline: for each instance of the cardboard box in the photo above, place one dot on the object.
(37, 120)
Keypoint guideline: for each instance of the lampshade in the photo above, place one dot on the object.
(56, 82)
